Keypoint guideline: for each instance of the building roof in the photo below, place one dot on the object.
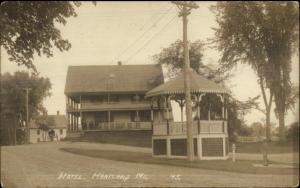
(199, 84)
(113, 78)
(52, 121)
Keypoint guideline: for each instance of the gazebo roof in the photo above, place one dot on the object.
(199, 84)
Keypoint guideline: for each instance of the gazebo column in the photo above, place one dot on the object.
(226, 112)
(222, 97)
(199, 97)
(168, 115)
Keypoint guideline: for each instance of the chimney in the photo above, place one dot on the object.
(57, 112)
(119, 63)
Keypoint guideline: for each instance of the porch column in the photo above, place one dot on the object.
(80, 102)
(72, 103)
(137, 118)
(75, 122)
(108, 119)
(68, 120)
(209, 113)
(80, 114)
(77, 118)
(80, 120)
(67, 102)
(152, 116)
(72, 122)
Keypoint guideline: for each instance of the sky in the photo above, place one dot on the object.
(132, 32)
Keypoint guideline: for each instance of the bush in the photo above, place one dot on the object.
(293, 132)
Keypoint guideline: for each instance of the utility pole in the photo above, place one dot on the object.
(27, 116)
(185, 7)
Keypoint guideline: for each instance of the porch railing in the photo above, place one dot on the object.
(120, 126)
(178, 128)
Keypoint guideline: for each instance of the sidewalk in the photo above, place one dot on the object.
(291, 158)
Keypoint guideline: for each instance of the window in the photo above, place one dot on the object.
(61, 131)
(113, 99)
(38, 132)
(96, 99)
(137, 98)
(38, 139)
(145, 116)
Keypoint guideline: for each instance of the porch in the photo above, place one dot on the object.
(117, 126)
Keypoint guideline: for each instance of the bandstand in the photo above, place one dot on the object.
(209, 119)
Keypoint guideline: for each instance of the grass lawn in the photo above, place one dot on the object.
(242, 166)
(274, 147)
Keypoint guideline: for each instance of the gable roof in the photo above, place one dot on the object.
(198, 84)
(112, 78)
(57, 121)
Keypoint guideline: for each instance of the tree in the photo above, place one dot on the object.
(14, 101)
(263, 35)
(28, 28)
(172, 58)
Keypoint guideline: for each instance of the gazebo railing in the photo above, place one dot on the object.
(178, 128)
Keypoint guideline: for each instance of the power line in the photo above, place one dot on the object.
(153, 16)
(146, 31)
(150, 39)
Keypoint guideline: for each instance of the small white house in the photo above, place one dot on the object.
(55, 131)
